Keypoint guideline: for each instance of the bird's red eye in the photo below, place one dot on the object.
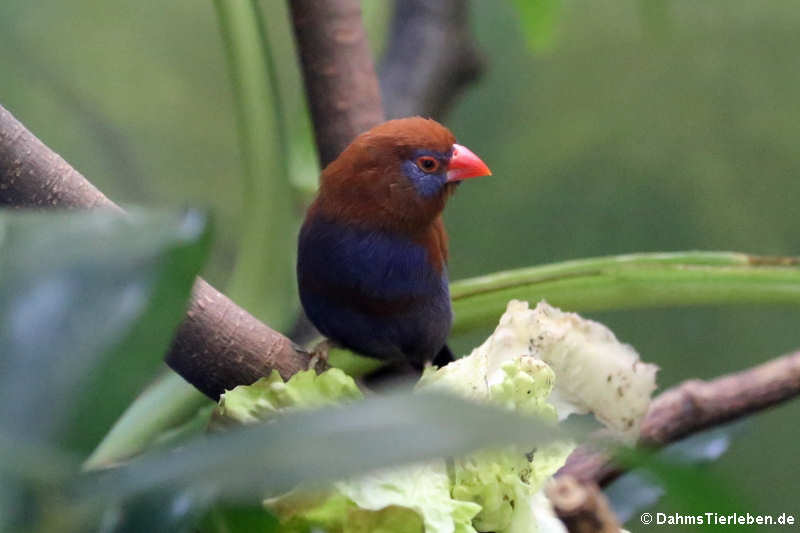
(428, 164)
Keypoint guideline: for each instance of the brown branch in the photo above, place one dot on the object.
(582, 507)
(696, 405)
(340, 80)
(32, 175)
(430, 59)
(218, 345)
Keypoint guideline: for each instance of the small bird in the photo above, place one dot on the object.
(372, 252)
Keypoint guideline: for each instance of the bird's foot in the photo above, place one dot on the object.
(320, 353)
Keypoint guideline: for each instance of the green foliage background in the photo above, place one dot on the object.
(642, 126)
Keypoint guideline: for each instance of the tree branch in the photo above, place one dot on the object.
(341, 85)
(219, 345)
(430, 59)
(32, 175)
(696, 405)
(582, 507)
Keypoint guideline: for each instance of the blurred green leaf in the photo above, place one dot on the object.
(88, 304)
(250, 463)
(239, 519)
(631, 281)
(634, 492)
(165, 407)
(158, 511)
(30, 473)
(690, 489)
(263, 277)
(538, 19)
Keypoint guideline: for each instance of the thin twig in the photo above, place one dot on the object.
(696, 405)
(582, 507)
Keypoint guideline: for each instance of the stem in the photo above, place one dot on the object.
(582, 507)
(165, 404)
(630, 282)
(341, 85)
(263, 279)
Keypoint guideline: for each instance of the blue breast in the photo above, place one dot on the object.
(372, 292)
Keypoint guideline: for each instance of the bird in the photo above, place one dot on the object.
(372, 250)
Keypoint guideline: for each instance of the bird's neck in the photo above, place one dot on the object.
(383, 212)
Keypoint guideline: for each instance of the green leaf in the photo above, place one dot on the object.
(88, 304)
(29, 461)
(332, 443)
(166, 406)
(30, 471)
(691, 489)
(262, 280)
(631, 282)
(159, 511)
(635, 491)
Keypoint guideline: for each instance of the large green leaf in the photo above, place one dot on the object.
(255, 461)
(159, 511)
(88, 304)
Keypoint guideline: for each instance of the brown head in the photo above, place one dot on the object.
(396, 176)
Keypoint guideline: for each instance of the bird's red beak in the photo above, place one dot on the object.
(465, 164)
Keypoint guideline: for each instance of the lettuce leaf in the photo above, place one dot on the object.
(541, 362)
(410, 498)
(595, 373)
(269, 396)
(503, 481)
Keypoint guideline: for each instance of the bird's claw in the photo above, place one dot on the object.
(320, 354)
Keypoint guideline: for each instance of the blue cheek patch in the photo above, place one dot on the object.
(426, 184)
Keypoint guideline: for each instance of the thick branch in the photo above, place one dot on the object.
(340, 80)
(696, 405)
(582, 507)
(32, 175)
(430, 59)
(218, 345)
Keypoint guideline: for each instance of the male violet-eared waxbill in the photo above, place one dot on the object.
(372, 253)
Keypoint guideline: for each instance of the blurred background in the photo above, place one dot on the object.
(650, 125)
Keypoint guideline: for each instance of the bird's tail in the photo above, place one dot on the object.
(444, 356)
